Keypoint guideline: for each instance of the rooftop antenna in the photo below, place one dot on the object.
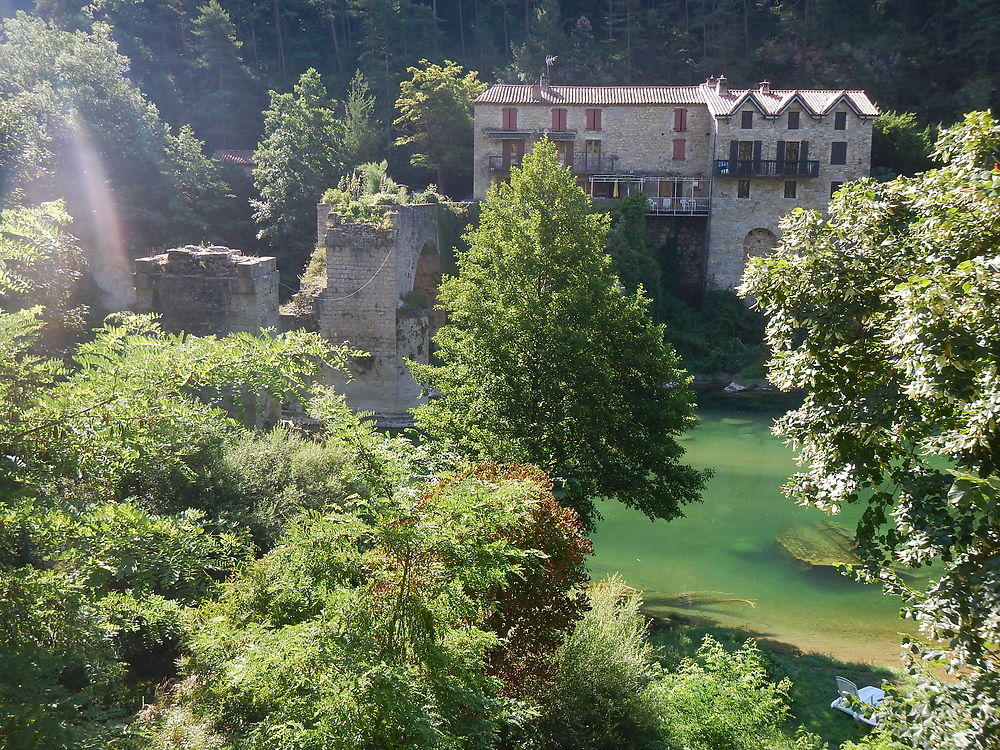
(549, 59)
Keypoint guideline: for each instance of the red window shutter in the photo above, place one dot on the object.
(559, 119)
(590, 119)
(680, 120)
(597, 119)
(593, 119)
(509, 118)
(679, 149)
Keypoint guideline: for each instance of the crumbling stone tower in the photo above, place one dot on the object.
(212, 290)
(381, 284)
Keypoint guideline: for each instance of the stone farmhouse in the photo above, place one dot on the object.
(720, 166)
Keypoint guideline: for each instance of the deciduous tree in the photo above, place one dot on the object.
(887, 314)
(547, 361)
(435, 115)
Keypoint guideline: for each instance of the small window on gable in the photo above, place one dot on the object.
(838, 152)
(835, 186)
(840, 121)
(743, 189)
(793, 120)
(791, 188)
(680, 149)
(559, 119)
(509, 118)
(746, 120)
(680, 120)
(593, 119)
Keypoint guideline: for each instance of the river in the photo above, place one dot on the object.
(725, 545)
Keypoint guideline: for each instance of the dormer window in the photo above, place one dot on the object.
(746, 120)
(793, 120)
(509, 118)
(840, 121)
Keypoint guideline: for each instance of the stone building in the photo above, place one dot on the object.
(720, 166)
(208, 290)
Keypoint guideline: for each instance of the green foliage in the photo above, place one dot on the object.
(886, 314)
(601, 697)
(717, 334)
(299, 155)
(369, 628)
(368, 194)
(362, 134)
(435, 115)
(547, 361)
(900, 146)
(722, 700)
(633, 256)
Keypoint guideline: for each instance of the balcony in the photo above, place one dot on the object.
(666, 195)
(679, 206)
(594, 164)
(766, 168)
(500, 164)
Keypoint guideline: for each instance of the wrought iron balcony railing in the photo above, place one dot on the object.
(766, 168)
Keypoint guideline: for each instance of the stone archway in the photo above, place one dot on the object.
(758, 243)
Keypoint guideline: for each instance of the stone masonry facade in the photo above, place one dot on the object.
(738, 158)
(381, 284)
(208, 290)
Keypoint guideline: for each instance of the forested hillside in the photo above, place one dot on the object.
(211, 64)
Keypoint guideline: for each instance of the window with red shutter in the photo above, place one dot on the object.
(559, 119)
(593, 119)
(680, 146)
(680, 120)
(509, 121)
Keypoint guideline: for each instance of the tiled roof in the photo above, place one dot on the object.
(234, 156)
(522, 93)
(773, 102)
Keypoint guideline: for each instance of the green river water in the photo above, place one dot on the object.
(725, 545)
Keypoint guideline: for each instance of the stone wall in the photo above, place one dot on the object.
(206, 291)
(735, 218)
(641, 136)
(679, 243)
(369, 303)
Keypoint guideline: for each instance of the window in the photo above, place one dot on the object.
(793, 120)
(834, 187)
(680, 120)
(593, 119)
(559, 119)
(792, 151)
(592, 161)
(791, 186)
(840, 121)
(565, 151)
(743, 189)
(509, 121)
(746, 120)
(680, 146)
(744, 150)
(838, 152)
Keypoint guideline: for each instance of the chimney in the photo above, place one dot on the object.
(710, 81)
(765, 87)
(720, 86)
(536, 91)
(543, 84)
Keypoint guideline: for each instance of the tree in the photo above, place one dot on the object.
(225, 107)
(362, 134)
(886, 314)
(435, 115)
(900, 146)
(547, 361)
(297, 159)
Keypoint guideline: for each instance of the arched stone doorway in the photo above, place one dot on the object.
(758, 243)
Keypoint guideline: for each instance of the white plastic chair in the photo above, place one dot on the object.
(868, 695)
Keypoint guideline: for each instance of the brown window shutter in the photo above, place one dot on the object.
(679, 148)
(680, 120)
(597, 119)
(559, 119)
(734, 153)
(509, 118)
(590, 119)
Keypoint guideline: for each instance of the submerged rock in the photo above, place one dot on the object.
(820, 543)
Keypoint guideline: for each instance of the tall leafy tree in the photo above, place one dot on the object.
(435, 115)
(297, 159)
(886, 315)
(362, 134)
(225, 106)
(546, 360)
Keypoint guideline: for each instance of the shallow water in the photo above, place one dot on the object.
(726, 546)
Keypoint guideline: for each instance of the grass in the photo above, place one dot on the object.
(812, 675)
